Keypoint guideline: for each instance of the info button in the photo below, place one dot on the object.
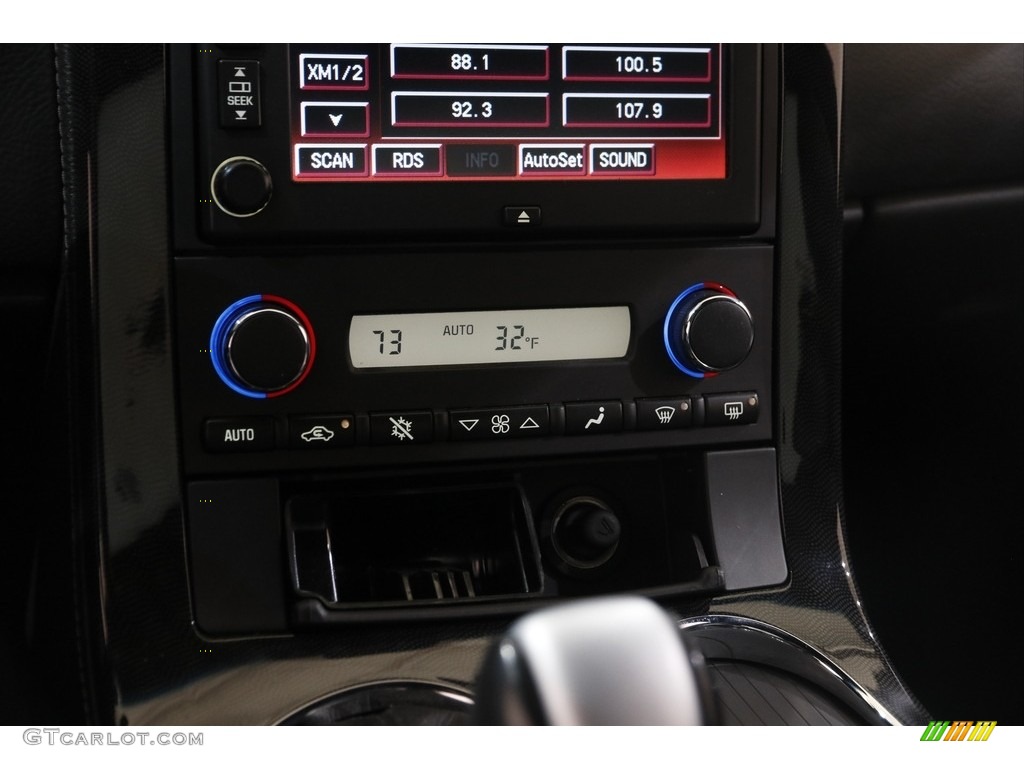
(481, 160)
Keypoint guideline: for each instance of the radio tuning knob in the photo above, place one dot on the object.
(262, 346)
(241, 186)
(707, 330)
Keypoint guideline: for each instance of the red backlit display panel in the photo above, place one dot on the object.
(457, 113)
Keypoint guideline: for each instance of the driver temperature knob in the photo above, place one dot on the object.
(707, 330)
(262, 346)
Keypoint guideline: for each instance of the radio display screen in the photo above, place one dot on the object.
(551, 112)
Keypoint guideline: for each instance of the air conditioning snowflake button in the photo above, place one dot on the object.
(405, 428)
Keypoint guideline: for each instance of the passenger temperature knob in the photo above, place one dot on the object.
(707, 330)
(262, 346)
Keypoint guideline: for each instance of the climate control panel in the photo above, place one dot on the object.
(393, 358)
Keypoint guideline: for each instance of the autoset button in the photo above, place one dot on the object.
(552, 159)
(405, 428)
(729, 409)
(664, 413)
(593, 418)
(328, 431)
(500, 423)
(239, 435)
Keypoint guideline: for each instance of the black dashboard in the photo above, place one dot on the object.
(369, 349)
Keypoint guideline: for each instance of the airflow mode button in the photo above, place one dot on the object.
(593, 418)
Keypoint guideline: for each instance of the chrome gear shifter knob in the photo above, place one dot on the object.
(605, 661)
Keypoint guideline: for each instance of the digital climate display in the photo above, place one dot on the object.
(432, 112)
(505, 336)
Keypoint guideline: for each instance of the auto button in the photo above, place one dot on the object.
(239, 435)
